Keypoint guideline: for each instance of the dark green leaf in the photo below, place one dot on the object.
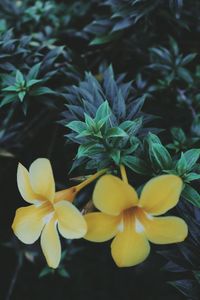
(192, 156)
(160, 157)
(191, 195)
(41, 91)
(77, 126)
(136, 164)
(115, 132)
(33, 73)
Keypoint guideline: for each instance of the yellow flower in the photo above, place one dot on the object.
(133, 222)
(49, 212)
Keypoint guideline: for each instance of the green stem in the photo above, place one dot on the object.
(15, 276)
(123, 173)
(90, 179)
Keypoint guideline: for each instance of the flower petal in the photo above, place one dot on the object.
(165, 230)
(28, 223)
(71, 223)
(50, 243)
(130, 247)
(42, 180)
(101, 227)
(161, 194)
(24, 185)
(112, 195)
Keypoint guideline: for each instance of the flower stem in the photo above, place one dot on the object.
(89, 180)
(15, 276)
(123, 173)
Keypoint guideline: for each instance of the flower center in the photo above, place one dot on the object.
(47, 211)
(131, 220)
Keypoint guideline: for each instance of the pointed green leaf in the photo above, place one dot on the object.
(19, 77)
(41, 91)
(33, 82)
(12, 88)
(192, 156)
(191, 195)
(115, 132)
(33, 73)
(77, 126)
(191, 177)
(103, 112)
(136, 164)
(21, 96)
(160, 157)
(181, 165)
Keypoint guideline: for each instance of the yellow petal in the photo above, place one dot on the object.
(165, 230)
(42, 180)
(112, 195)
(24, 185)
(130, 247)
(28, 223)
(101, 227)
(71, 223)
(161, 194)
(50, 244)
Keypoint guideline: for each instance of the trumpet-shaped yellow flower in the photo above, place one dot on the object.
(48, 213)
(134, 222)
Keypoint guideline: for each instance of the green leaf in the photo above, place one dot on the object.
(8, 99)
(32, 82)
(181, 165)
(41, 91)
(152, 138)
(62, 272)
(19, 77)
(115, 132)
(12, 88)
(188, 58)
(33, 73)
(104, 39)
(178, 134)
(197, 275)
(102, 122)
(103, 112)
(46, 271)
(131, 127)
(77, 126)
(191, 195)
(136, 164)
(21, 96)
(174, 45)
(160, 157)
(90, 122)
(185, 75)
(116, 156)
(134, 144)
(191, 177)
(191, 157)
(88, 149)
(84, 133)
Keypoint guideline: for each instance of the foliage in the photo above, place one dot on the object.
(106, 119)
(95, 84)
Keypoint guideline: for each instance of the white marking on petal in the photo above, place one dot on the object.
(48, 217)
(149, 216)
(120, 227)
(138, 226)
(38, 203)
